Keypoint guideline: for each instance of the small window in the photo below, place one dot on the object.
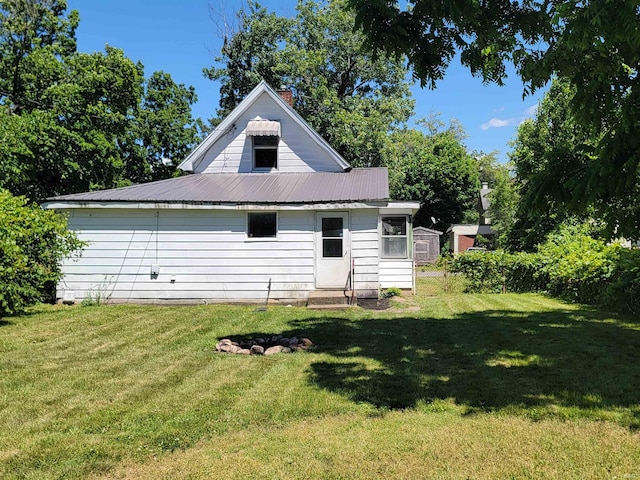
(394, 237)
(332, 233)
(265, 152)
(261, 224)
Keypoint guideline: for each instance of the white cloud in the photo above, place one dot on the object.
(531, 111)
(498, 123)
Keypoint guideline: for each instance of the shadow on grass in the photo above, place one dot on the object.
(558, 363)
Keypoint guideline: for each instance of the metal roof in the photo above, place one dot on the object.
(357, 185)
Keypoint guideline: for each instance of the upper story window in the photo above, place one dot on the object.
(265, 136)
(394, 237)
(265, 152)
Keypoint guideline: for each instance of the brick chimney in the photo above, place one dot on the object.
(286, 94)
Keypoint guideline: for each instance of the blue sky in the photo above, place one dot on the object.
(181, 38)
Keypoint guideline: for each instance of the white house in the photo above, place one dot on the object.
(268, 204)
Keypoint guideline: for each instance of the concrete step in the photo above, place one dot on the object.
(329, 297)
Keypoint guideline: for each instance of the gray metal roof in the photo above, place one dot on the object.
(357, 185)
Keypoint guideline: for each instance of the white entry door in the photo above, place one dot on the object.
(333, 259)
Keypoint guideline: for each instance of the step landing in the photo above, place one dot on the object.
(329, 299)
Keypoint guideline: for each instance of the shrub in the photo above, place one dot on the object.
(500, 271)
(623, 291)
(32, 243)
(570, 264)
(391, 292)
(579, 267)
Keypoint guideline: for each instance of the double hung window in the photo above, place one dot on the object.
(394, 237)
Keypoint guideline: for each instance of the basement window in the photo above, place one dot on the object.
(394, 237)
(262, 224)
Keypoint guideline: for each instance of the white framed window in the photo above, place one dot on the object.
(394, 237)
(265, 152)
(262, 225)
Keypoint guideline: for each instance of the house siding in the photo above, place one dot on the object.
(232, 153)
(205, 255)
(396, 273)
(205, 252)
(364, 252)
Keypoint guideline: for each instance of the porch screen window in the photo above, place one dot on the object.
(394, 237)
(262, 224)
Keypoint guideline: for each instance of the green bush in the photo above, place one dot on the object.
(623, 290)
(570, 264)
(391, 292)
(499, 271)
(579, 267)
(32, 243)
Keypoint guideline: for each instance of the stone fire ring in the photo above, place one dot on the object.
(265, 345)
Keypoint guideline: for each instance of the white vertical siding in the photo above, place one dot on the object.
(206, 252)
(364, 251)
(232, 153)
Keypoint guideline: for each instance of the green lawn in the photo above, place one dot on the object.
(466, 386)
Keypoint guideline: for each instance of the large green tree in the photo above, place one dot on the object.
(435, 169)
(162, 130)
(31, 32)
(592, 44)
(66, 140)
(552, 154)
(351, 98)
(71, 121)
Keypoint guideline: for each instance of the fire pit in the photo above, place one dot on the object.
(268, 345)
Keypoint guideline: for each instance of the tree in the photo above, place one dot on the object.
(162, 132)
(29, 27)
(68, 141)
(250, 53)
(352, 99)
(72, 121)
(32, 244)
(552, 145)
(543, 39)
(435, 169)
(503, 198)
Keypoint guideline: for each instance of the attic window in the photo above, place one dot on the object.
(265, 152)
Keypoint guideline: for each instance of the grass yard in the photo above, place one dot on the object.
(468, 386)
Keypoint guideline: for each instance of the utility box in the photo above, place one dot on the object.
(69, 297)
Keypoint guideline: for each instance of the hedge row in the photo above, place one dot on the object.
(570, 265)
